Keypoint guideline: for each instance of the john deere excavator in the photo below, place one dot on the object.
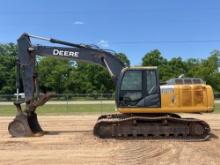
(147, 109)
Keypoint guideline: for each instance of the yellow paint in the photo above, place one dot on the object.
(180, 99)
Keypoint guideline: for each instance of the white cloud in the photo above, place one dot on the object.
(103, 43)
(79, 23)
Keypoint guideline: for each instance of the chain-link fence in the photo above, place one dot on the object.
(65, 97)
(66, 103)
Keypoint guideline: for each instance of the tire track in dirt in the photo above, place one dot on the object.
(143, 152)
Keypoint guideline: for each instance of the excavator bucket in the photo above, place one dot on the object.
(25, 125)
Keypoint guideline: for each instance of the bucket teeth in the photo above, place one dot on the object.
(25, 125)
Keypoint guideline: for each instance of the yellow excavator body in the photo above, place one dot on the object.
(183, 98)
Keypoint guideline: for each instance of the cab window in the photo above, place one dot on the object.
(151, 82)
(132, 80)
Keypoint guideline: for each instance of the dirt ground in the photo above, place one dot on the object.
(71, 141)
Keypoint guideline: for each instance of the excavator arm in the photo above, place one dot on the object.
(26, 122)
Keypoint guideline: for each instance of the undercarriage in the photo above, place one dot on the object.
(151, 126)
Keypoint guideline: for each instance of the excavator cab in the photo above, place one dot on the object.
(138, 87)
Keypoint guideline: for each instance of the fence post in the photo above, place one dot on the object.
(101, 103)
(67, 103)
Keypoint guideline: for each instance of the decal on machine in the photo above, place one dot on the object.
(65, 53)
(167, 89)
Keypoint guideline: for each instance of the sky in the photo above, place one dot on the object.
(189, 28)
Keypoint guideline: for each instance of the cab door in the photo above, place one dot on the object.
(151, 89)
(138, 88)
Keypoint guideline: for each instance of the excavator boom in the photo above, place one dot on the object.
(27, 57)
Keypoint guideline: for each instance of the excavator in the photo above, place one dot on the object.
(146, 108)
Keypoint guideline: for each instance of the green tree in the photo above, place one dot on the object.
(207, 69)
(7, 68)
(154, 58)
(123, 58)
(53, 74)
(178, 66)
(90, 78)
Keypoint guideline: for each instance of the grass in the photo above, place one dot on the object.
(8, 110)
(63, 109)
(217, 108)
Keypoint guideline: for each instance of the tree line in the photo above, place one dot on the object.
(66, 76)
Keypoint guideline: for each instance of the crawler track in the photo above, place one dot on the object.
(152, 126)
